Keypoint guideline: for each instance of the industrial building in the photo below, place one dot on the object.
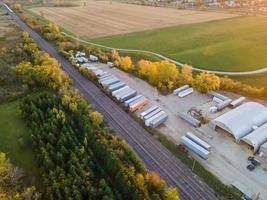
(247, 122)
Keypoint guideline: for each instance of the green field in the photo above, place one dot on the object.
(237, 44)
(14, 140)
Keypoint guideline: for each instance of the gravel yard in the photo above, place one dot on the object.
(227, 160)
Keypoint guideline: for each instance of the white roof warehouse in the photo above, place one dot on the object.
(247, 122)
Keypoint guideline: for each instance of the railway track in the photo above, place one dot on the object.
(153, 154)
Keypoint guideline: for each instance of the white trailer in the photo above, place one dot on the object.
(119, 90)
(159, 120)
(110, 82)
(189, 119)
(122, 93)
(197, 140)
(180, 89)
(116, 86)
(149, 110)
(186, 92)
(127, 96)
(105, 78)
(126, 103)
(224, 104)
(137, 100)
(237, 102)
(148, 121)
(152, 114)
(217, 100)
(200, 151)
(220, 96)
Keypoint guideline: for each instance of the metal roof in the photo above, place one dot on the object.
(240, 121)
(257, 137)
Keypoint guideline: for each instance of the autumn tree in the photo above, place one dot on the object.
(96, 118)
(114, 54)
(17, 7)
(124, 63)
(186, 74)
(12, 184)
(206, 82)
(148, 70)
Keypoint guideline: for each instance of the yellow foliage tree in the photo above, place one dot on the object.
(96, 118)
(148, 70)
(206, 82)
(124, 63)
(114, 54)
(171, 194)
(186, 74)
(166, 71)
(17, 7)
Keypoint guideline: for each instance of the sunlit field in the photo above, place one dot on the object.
(237, 44)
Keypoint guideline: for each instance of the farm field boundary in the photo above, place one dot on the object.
(259, 71)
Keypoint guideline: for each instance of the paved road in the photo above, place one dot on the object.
(154, 155)
(169, 59)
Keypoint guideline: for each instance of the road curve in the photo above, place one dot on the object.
(259, 71)
(153, 154)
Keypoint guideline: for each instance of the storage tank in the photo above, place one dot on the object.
(116, 86)
(180, 89)
(203, 153)
(197, 140)
(186, 92)
(152, 114)
(138, 104)
(149, 110)
(126, 103)
(127, 96)
(159, 120)
(149, 120)
(189, 119)
(119, 90)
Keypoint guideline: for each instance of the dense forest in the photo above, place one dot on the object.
(80, 158)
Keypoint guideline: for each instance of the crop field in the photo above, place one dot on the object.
(237, 44)
(100, 18)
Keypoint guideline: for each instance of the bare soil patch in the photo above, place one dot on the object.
(100, 18)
